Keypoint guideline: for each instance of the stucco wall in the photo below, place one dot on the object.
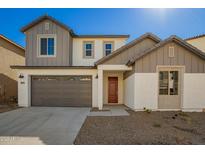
(24, 89)
(198, 42)
(78, 59)
(194, 92)
(9, 55)
(129, 91)
(24, 99)
(141, 90)
(105, 86)
(146, 91)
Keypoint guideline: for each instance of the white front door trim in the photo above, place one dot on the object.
(100, 89)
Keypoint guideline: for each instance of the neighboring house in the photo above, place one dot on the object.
(197, 41)
(65, 69)
(10, 54)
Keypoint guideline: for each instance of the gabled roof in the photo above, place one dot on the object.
(127, 46)
(162, 43)
(101, 36)
(12, 42)
(195, 37)
(44, 17)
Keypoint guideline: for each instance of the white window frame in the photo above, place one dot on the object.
(92, 51)
(104, 49)
(39, 36)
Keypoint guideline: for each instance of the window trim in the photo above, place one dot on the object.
(107, 42)
(39, 36)
(92, 51)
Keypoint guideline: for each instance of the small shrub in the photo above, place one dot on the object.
(183, 114)
(187, 119)
(157, 125)
(147, 110)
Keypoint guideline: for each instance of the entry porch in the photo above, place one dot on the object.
(111, 85)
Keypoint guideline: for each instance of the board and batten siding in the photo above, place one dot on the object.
(160, 56)
(125, 56)
(63, 47)
(198, 42)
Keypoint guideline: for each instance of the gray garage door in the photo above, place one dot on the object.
(61, 91)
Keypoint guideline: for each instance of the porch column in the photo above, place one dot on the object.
(100, 89)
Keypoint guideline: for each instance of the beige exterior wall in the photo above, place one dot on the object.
(146, 91)
(129, 91)
(78, 59)
(194, 87)
(160, 56)
(107, 74)
(141, 90)
(198, 42)
(128, 54)
(9, 55)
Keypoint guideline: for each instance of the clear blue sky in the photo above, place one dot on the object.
(135, 22)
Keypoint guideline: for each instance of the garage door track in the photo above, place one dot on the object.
(41, 125)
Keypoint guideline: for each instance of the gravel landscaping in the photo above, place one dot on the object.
(144, 128)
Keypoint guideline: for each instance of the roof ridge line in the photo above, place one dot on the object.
(12, 42)
(128, 45)
(172, 37)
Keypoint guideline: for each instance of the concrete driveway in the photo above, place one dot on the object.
(41, 125)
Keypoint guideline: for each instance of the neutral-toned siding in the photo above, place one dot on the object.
(78, 52)
(63, 50)
(9, 55)
(198, 42)
(125, 56)
(182, 57)
(126, 74)
(71, 51)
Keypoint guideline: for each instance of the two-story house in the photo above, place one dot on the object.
(66, 69)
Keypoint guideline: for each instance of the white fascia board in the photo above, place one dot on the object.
(114, 67)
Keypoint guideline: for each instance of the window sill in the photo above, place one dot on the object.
(46, 56)
(88, 58)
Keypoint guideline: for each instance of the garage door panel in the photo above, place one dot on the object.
(61, 91)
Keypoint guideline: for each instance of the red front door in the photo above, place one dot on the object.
(112, 90)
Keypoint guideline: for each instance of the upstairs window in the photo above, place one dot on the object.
(88, 50)
(47, 45)
(108, 48)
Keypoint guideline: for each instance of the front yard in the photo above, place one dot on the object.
(144, 128)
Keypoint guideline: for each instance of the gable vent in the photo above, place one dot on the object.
(171, 52)
(46, 26)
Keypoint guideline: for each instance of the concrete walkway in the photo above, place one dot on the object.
(118, 110)
(41, 125)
